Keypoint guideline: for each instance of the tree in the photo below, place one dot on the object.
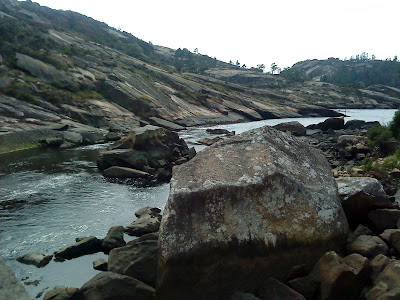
(237, 63)
(274, 68)
(261, 67)
(244, 66)
(196, 51)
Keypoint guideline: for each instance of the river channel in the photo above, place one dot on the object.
(50, 197)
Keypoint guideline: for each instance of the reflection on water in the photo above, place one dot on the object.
(48, 198)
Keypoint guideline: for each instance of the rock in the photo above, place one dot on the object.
(61, 293)
(208, 141)
(111, 286)
(139, 260)
(51, 142)
(331, 123)
(359, 195)
(100, 264)
(45, 72)
(395, 240)
(389, 278)
(385, 236)
(123, 172)
(306, 286)
(85, 246)
(114, 239)
(294, 128)
(377, 291)
(147, 237)
(243, 296)
(92, 137)
(384, 218)
(165, 124)
(112, 136)
(354, 124)
(148, 221)
(10, 287)
(368, 246)
(378, 264)
(337, 279)
(362, 230)
(360, 265)
(276, 290)
(72, 137)
(345, 140)
(35, 258)
(219, 131)
(222, 216)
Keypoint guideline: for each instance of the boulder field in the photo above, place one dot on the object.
(245, 209)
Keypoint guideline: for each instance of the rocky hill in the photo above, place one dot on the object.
(61, 68)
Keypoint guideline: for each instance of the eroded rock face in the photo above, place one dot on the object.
(259, 203)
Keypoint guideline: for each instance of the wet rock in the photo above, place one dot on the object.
(337, 280)
(384, 218)
(88, 245)
(35, 258)
(123, 172)
(138, 260)
(100, 264)
(61, 293)
(111, 286)
(220, 217)
(294, 128)
(359, 195)
(368, 246)
(148, 221)
(114, 239)
(10, 287)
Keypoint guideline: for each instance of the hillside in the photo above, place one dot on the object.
(60, 67)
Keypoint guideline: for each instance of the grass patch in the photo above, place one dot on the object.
(16, 147)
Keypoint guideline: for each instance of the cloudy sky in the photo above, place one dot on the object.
(255, 31)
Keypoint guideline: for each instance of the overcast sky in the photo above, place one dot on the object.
(255, 31)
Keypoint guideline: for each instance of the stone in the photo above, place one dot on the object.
(148, 221)
(165, 124)
(337, 280)
(139, 260)
(276, 290)
(345, 140)
(390, 276)
(395, 240)
(259, 203)
(360, 265)
(147, 237)
(306, 286)
(123, 172)
(368, 246)
(51, 142)
(362, 230)
(384, 218)
(359, 195)
(61, 293)
(354, 124)
(114, 239)
(219, 131)
(332, 123)
(112, 136)
(378, 264)
(100, 264)
(385, 236)
(243, 296)
(35, 258)
(111, 286)
(377, 291)
(10, 287)
(72, 137)
(294, 128)
(88, 245)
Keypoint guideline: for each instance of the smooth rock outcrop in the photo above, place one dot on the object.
(111, 286)
(258, 203)
(35, 258)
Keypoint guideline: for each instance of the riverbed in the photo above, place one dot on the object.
(48, 198)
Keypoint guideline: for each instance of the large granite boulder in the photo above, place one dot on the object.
(244, 209)
(114, 239)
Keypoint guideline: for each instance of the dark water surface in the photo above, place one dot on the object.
(48, 198)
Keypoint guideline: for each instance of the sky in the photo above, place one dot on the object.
(255, 31)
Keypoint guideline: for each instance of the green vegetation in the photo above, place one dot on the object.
(5, 148)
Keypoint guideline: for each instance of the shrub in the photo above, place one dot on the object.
(380, 138)
(395, 125)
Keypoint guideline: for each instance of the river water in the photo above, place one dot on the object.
(50, 197)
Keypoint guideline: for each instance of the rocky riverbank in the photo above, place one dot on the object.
(257, 216)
